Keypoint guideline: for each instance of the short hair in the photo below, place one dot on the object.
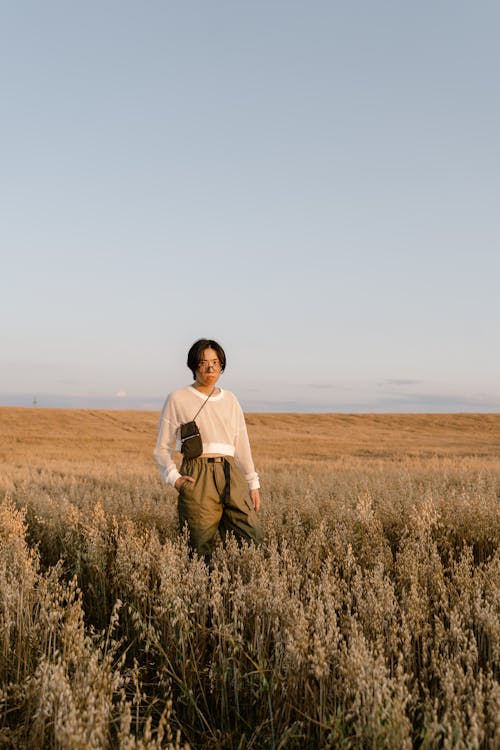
(194, 354)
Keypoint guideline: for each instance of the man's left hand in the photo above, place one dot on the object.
(255, 498)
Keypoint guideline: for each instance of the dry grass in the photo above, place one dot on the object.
(369, 618)
(97, 435)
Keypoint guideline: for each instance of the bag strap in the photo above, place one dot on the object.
(203, 404)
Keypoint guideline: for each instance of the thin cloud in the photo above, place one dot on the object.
(328, 386)
(400, 382)
(121, 394)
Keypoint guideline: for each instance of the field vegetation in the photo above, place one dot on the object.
(369, 618)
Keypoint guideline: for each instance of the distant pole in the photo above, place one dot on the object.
(35, 402)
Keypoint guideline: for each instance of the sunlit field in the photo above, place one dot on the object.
(369, 618)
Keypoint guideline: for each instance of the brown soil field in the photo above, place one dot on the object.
(32, 434)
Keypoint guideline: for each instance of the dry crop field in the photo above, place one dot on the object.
(369, 618)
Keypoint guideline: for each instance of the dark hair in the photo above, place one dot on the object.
(194, 354)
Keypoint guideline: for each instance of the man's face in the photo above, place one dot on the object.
(209, 369)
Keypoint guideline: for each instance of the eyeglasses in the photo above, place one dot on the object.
(205, 366)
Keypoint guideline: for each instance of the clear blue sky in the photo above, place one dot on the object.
(314, 184)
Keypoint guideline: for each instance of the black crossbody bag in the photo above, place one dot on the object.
(191, 442)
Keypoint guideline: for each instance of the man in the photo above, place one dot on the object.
(218, 490)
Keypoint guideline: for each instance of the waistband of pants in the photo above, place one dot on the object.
(211, 459)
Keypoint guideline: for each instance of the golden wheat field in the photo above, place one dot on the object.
(369, 617)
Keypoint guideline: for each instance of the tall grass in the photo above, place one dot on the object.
(369, 618)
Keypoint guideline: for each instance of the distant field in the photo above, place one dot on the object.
(369, 618)
(75, 435)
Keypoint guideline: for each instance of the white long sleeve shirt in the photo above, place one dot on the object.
(222, 428)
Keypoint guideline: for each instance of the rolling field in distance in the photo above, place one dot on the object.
(369, 618)
(78, 435)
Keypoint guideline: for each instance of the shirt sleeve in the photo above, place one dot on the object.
(164, 450)
(243, 454)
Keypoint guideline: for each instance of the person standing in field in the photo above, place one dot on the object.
(219, 488)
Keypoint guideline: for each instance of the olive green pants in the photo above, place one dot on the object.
(206, 505)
